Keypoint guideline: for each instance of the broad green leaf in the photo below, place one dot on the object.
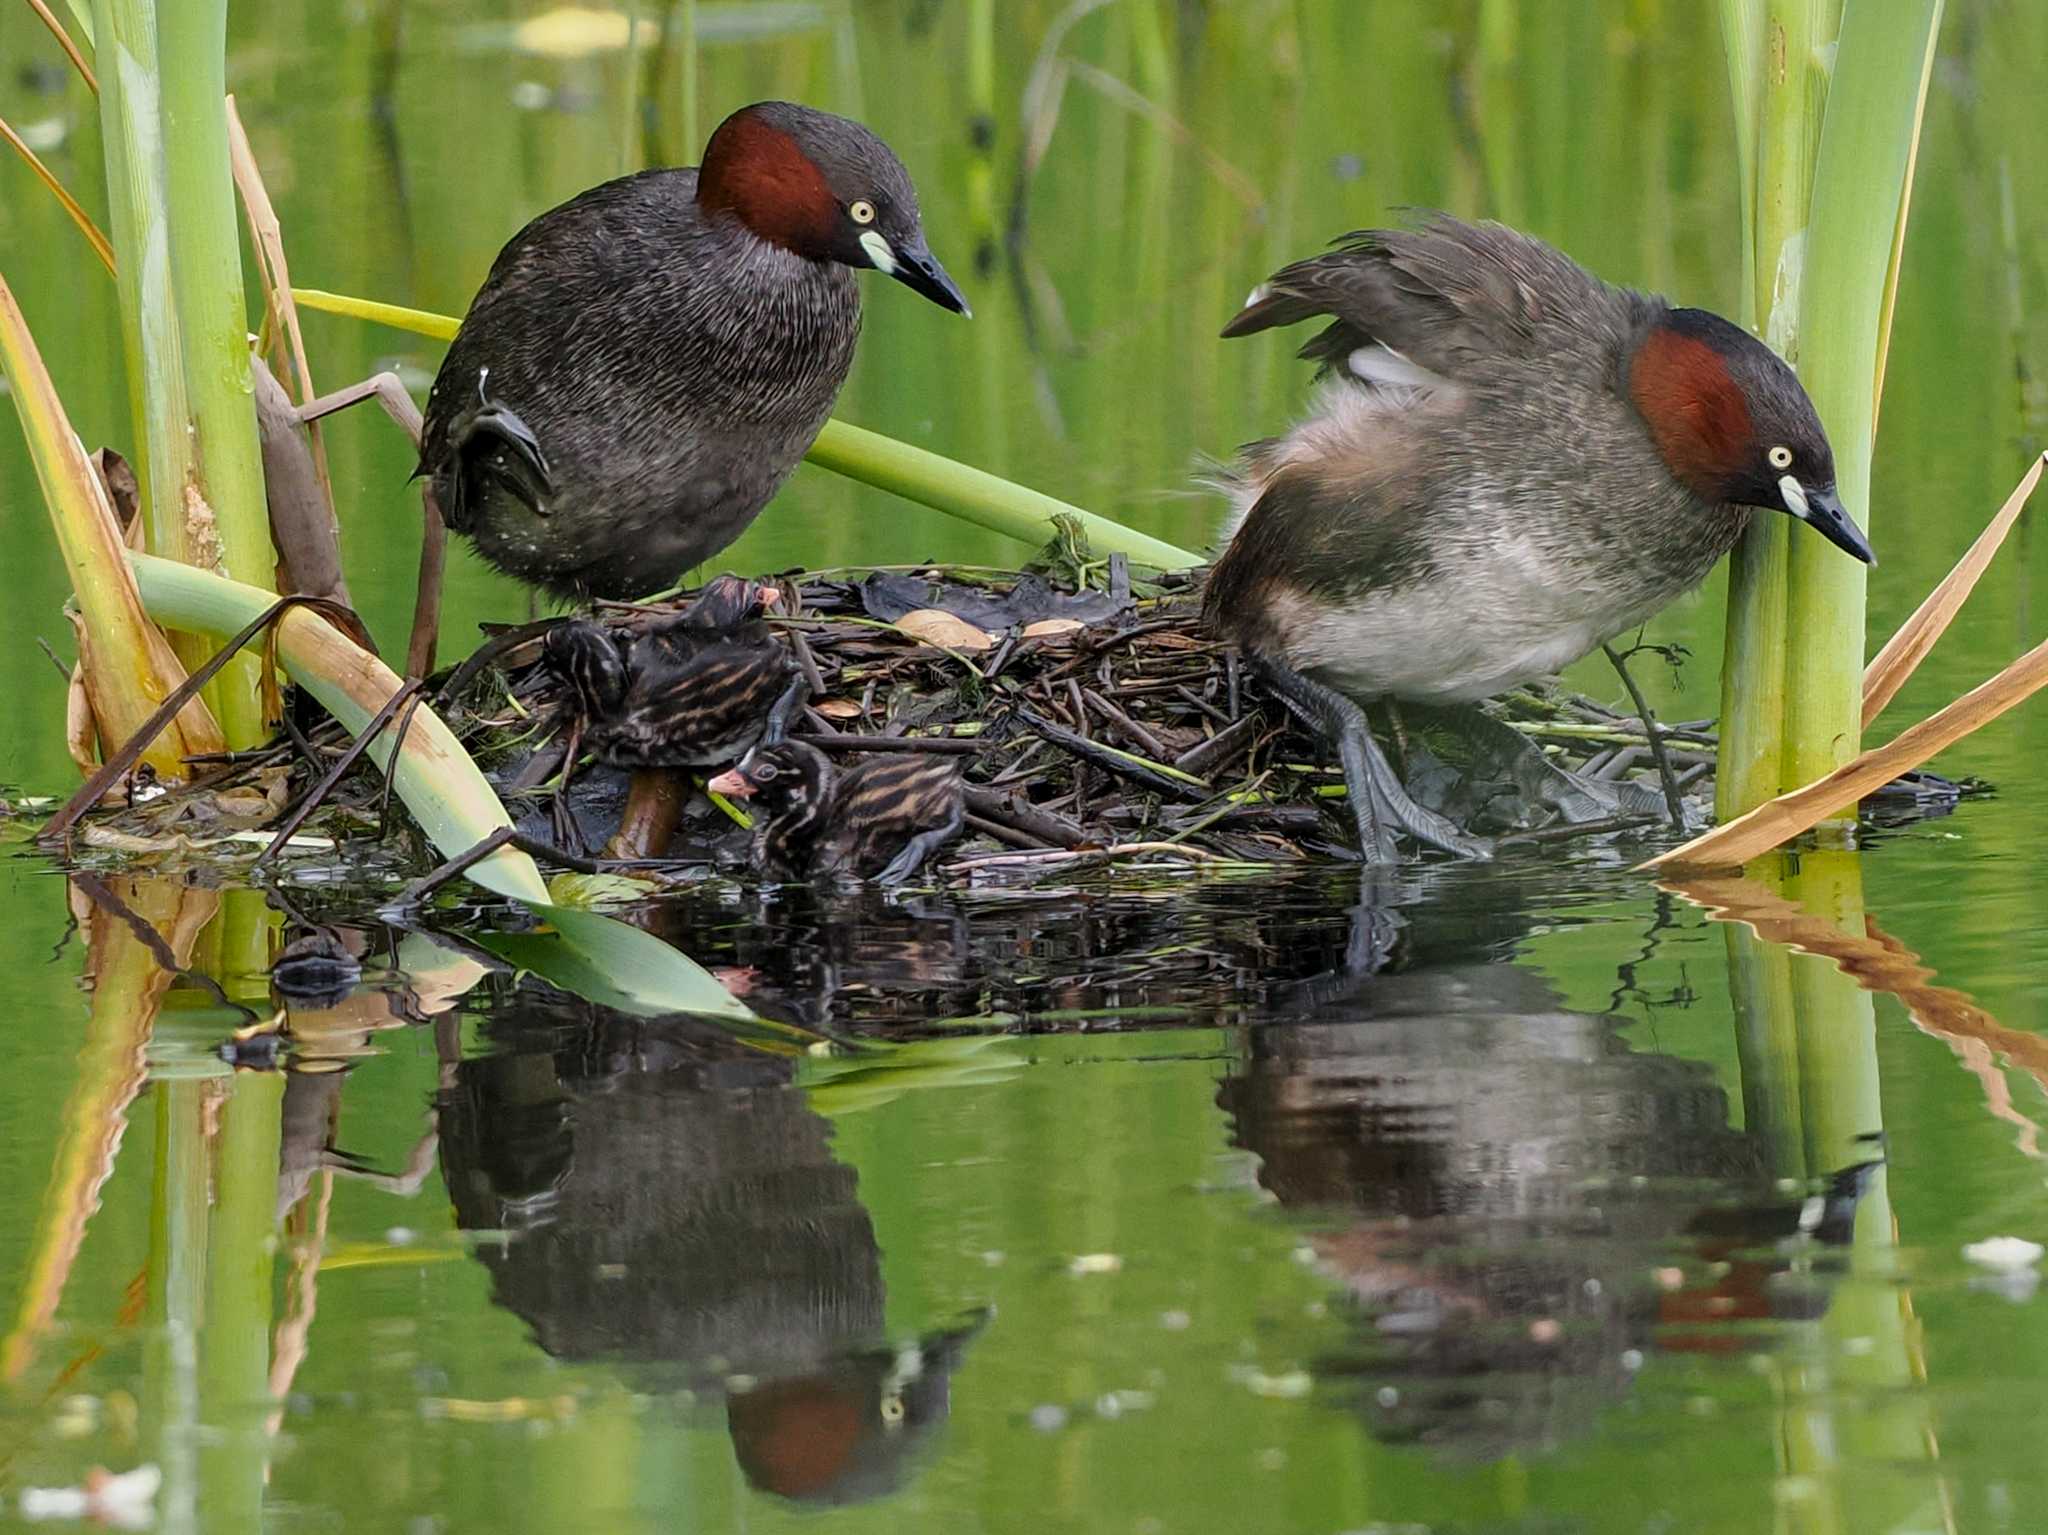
(653, 976)
(841, 1084)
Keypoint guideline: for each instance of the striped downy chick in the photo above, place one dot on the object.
(879, 819)
(694, 691)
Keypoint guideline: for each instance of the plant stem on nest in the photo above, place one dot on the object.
(976, 496)
(957, 489)
(448, 797)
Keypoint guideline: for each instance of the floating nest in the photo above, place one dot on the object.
(1093, 718)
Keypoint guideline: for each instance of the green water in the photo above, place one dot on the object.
(1456, 1201)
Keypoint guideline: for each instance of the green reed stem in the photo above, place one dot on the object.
(957, 489)
(206, 278)
(177, 1296)
(138, 220)
(234, 1355)
(976, 496)
(1776, 69)
(1828, 111)
(1859, 200)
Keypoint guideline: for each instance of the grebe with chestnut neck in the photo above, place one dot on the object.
(646, 363)
(1509, 463)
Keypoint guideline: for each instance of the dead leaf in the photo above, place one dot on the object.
(124, 493)
(99, 834)
(244, 804)
(1904, 651)
(838, 708)
(81, 731)
(934, 626)
(1053, 628)
(1781, 819)
(888, 595)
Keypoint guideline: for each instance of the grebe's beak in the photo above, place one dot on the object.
(732, 783)
(1822, 510)
(913, 265)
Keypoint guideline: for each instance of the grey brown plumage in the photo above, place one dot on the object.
(647, 363)
(1507, 463)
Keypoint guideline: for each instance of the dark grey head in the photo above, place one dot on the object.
(1733, 424)
(728, 601)
(787, 776)
(825, 188)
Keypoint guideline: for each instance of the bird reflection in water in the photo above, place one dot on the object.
(1518, 1205)
(674, 1202)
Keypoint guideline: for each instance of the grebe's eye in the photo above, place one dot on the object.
(764, 772)
(861, 211)
(1780, 457)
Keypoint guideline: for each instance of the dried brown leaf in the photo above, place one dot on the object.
(81, 731)
(935, 626)
(1904, 651)
(1791, 813)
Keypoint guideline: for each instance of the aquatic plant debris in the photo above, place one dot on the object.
(1097, 723)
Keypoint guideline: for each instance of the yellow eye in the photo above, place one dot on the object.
(862, 212)
(1780, 457)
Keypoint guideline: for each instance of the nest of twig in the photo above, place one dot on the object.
(1091, 722)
